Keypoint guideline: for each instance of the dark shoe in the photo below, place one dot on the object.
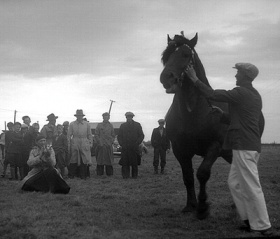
(245, 227)
(162, 171)
(268, 232)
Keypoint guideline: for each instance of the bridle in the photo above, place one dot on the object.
(190, 63)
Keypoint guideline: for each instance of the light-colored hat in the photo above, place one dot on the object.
(248, 69)
(79, 112)
(24, 126)
(161, 121)
(129, 114)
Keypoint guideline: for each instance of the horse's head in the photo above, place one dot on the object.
(178, 55)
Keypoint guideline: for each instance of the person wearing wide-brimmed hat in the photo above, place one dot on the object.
(80, 138)
(161, 145)
(43, 176)
(51, 126)
(130, 137)
(104, 135)
(244, 139)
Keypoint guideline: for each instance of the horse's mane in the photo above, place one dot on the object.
(199, 68)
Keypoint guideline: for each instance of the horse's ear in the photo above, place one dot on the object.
(168, 39)
(192, 42)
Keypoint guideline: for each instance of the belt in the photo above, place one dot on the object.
(80, 137)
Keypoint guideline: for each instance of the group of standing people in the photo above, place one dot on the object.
(61, 148)
(19, 140)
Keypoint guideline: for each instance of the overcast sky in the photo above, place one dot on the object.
(63, 55)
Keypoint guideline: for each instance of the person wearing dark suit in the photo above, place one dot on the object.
(130, 137)
(244, 139)
(60, 146)
(161, 145)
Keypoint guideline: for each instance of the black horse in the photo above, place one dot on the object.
(194, 125)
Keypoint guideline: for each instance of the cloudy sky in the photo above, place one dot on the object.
(58, 56)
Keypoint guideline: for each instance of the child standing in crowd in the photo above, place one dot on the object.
(60, 147)
(14, 150)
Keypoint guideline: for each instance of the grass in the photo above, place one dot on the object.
(147, 207)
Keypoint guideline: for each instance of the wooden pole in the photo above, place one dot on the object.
(15, 116)
(111, 106)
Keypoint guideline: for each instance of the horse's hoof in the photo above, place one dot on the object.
(189, 208)
(203, 211)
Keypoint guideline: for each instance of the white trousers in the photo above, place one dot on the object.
(246, 190)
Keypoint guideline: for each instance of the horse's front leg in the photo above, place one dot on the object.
(203, 175)
(188, 177)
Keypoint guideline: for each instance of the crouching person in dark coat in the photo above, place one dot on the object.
(129, 137)
(43, 176)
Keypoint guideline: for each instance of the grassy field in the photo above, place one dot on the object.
(147, 207)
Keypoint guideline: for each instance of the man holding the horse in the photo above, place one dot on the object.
(244, 139)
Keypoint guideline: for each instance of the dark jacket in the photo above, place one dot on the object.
(27, 142)
(60, 144)
(16, 143)
(245, 106)
(130, 137)
(160, 141)
(8, 135)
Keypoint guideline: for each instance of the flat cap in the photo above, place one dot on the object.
(129, 114)
(248, 69)
(161, 121)
(106, 113)
(26, 116)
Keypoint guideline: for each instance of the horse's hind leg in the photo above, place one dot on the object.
(203, 175)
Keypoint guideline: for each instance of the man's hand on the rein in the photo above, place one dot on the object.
(190, 72)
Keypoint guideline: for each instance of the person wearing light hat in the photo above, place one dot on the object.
(80, 139)
(130, 137)
(51, 126)
(104, 135)
(161, 145)
(43, 177)
(244, 139)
